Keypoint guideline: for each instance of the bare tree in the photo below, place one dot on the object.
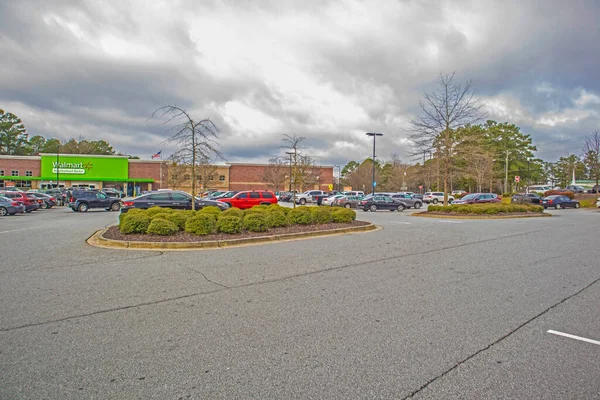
(591, 153)
(275, 174)
(207, 172)
(444, 110)
(292, 144)
(196, 139)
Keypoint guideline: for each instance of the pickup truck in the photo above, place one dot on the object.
(309, 196)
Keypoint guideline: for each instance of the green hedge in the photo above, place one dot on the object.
(567, 193)
(213, 210)
(490, 209)
(321, 215)
(157, 210)
(201, 224)
(301, 216)
(179, 218)
(134, 223)
(256, 222)
(160, 226)
(161, 215)
(343, 215)
(229, 224)
(278, 219)
(233, 211)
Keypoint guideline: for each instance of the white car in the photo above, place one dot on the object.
(598, 203)
(328, 201)
(436, 197)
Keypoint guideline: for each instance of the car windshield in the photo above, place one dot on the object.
(469, 196)
(229, 195)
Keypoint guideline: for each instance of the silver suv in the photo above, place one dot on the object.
(436, 197)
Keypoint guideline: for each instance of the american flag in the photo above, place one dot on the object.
(156, 155)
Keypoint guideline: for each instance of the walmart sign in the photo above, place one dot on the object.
(74, 167)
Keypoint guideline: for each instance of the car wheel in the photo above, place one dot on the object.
(302, 202)
(82, 207)
(347, 205)
(418, 205)
(115, 207)
(44, 205)
(373, 208)
(365, 209)
(400, 208)
(558, 207)
(576, 205)
(3, 211)
(435, 201)
(28, 211)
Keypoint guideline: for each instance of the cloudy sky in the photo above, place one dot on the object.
(326, 70)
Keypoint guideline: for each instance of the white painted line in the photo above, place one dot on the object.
(575, 337)
(405, 223)
(450, 222)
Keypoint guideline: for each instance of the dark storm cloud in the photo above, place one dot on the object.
(329, 71)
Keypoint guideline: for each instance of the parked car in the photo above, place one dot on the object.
(23, 199)
(559, 201)
(47, 201)
(477, 198)
(348, 201)
(594, 189)
(526, 198)
(598, 202)
(225, 195)
(328, 201)
(575, 189)
(354, 193)
(251, 198)
(308, 196)
(538, 189)
(83, 200)
(169, 199)
(10, 207)
(409, 200)
(382, 203)
(436, 197)
(112, 192)
(458, 192)
(417, 196)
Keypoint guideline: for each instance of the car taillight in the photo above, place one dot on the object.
(52, 199)
(15, 203)
(549, 201)
(71, 199)
(128, 203)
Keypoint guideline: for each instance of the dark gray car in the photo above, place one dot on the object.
(409, 200)
(10, 207)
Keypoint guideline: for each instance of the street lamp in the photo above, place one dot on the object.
(339, 176)
(528, 175)
(374, 134)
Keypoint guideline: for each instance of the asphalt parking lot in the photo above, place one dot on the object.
(423, 308)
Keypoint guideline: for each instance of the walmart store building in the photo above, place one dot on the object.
(80, 170)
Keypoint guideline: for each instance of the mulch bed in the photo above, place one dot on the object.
(516, 214)
(114, 233)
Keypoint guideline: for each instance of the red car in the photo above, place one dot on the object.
(477, 198)
(251, 198)
(30, 205)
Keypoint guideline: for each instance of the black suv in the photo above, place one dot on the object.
(83, 200)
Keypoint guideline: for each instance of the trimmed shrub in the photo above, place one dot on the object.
(277, 207)
(179, 218)
(233, 211)
(256, 222)
(301, 216)
(344, 215)
(278, 219)
(156, 210)
(567, 193)
(490, 208)
(229, 224)
(255, 210)
(321, 215)
(160, 226)
(213, 210)
(201, 224)
(162, 215)
(134, 223)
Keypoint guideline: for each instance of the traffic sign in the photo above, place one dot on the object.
(421, 187)
(330, 186)
(517, 178)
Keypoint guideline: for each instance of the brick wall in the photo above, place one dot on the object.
(150, 170)
(9, 164)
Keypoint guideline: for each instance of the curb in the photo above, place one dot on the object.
(453, 216)
(98, 240)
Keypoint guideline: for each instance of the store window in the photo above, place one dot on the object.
(15, 173)
(187, 177)
(1, 172)
(210, 178)
(28, 173)
(222, 178)
(23, 184)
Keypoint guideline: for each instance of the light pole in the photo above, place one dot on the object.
(374, 134)
(528, 175)
(339, 176)
(506, 172)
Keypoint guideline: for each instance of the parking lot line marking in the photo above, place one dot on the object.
(450, 222)
(405, 223)
(574, 337)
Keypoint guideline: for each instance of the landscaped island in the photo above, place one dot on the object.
(210, 223)
(486, 209)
